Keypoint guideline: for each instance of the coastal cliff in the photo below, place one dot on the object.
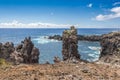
(110, 45)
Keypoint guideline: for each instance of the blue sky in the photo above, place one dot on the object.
(60, 13)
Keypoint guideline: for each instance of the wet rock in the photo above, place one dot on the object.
(69, 46)
(110, 44)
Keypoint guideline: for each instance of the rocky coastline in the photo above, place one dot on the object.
(70, 68)
(80, 37)
(22, 53)
(110, 44)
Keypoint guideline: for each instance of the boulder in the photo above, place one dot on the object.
(56, 59)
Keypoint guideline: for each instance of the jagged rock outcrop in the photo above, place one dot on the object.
(6, 50)
(110, 44)
(90, 38)
(55, 37)
(23, 53)
(69, 46)
(80, 37)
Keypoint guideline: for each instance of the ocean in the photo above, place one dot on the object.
(89, 51)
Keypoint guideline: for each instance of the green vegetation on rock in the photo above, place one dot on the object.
(3, 62)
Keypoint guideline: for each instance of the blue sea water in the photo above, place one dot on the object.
(49, 48)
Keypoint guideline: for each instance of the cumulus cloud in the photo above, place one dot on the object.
(90, 5)
(116, 3)
(115, 13)
(16, 24)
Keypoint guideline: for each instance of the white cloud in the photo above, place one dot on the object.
(90, 5)
(115, 13)
(116, 3)
(16, 24)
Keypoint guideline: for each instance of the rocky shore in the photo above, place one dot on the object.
(110, 44)
(70, 68)
(79, 37)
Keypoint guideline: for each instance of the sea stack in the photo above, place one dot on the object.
(110, 44)
(70, 44)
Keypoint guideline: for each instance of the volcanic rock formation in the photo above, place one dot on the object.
(80, 37)
(69, 46)
(6, 50)
(110, 44)
(23, 53)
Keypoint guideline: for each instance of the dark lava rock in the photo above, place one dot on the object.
(55, 37)
(56, 59)
(23, 53)
(79, 37)
(110, 44)
(89, 38)
(6, 50)
(27, 52)
(69, 46)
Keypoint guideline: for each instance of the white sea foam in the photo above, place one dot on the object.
(115, 31)
(94, 55)
(44, 40)
(94, 48)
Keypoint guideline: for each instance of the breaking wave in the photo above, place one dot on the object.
(94, 48)
(44, 40)
(95, 54)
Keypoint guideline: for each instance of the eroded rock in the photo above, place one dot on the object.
(69, 46)
(110, 44)
(6, 50)
(23, 53)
